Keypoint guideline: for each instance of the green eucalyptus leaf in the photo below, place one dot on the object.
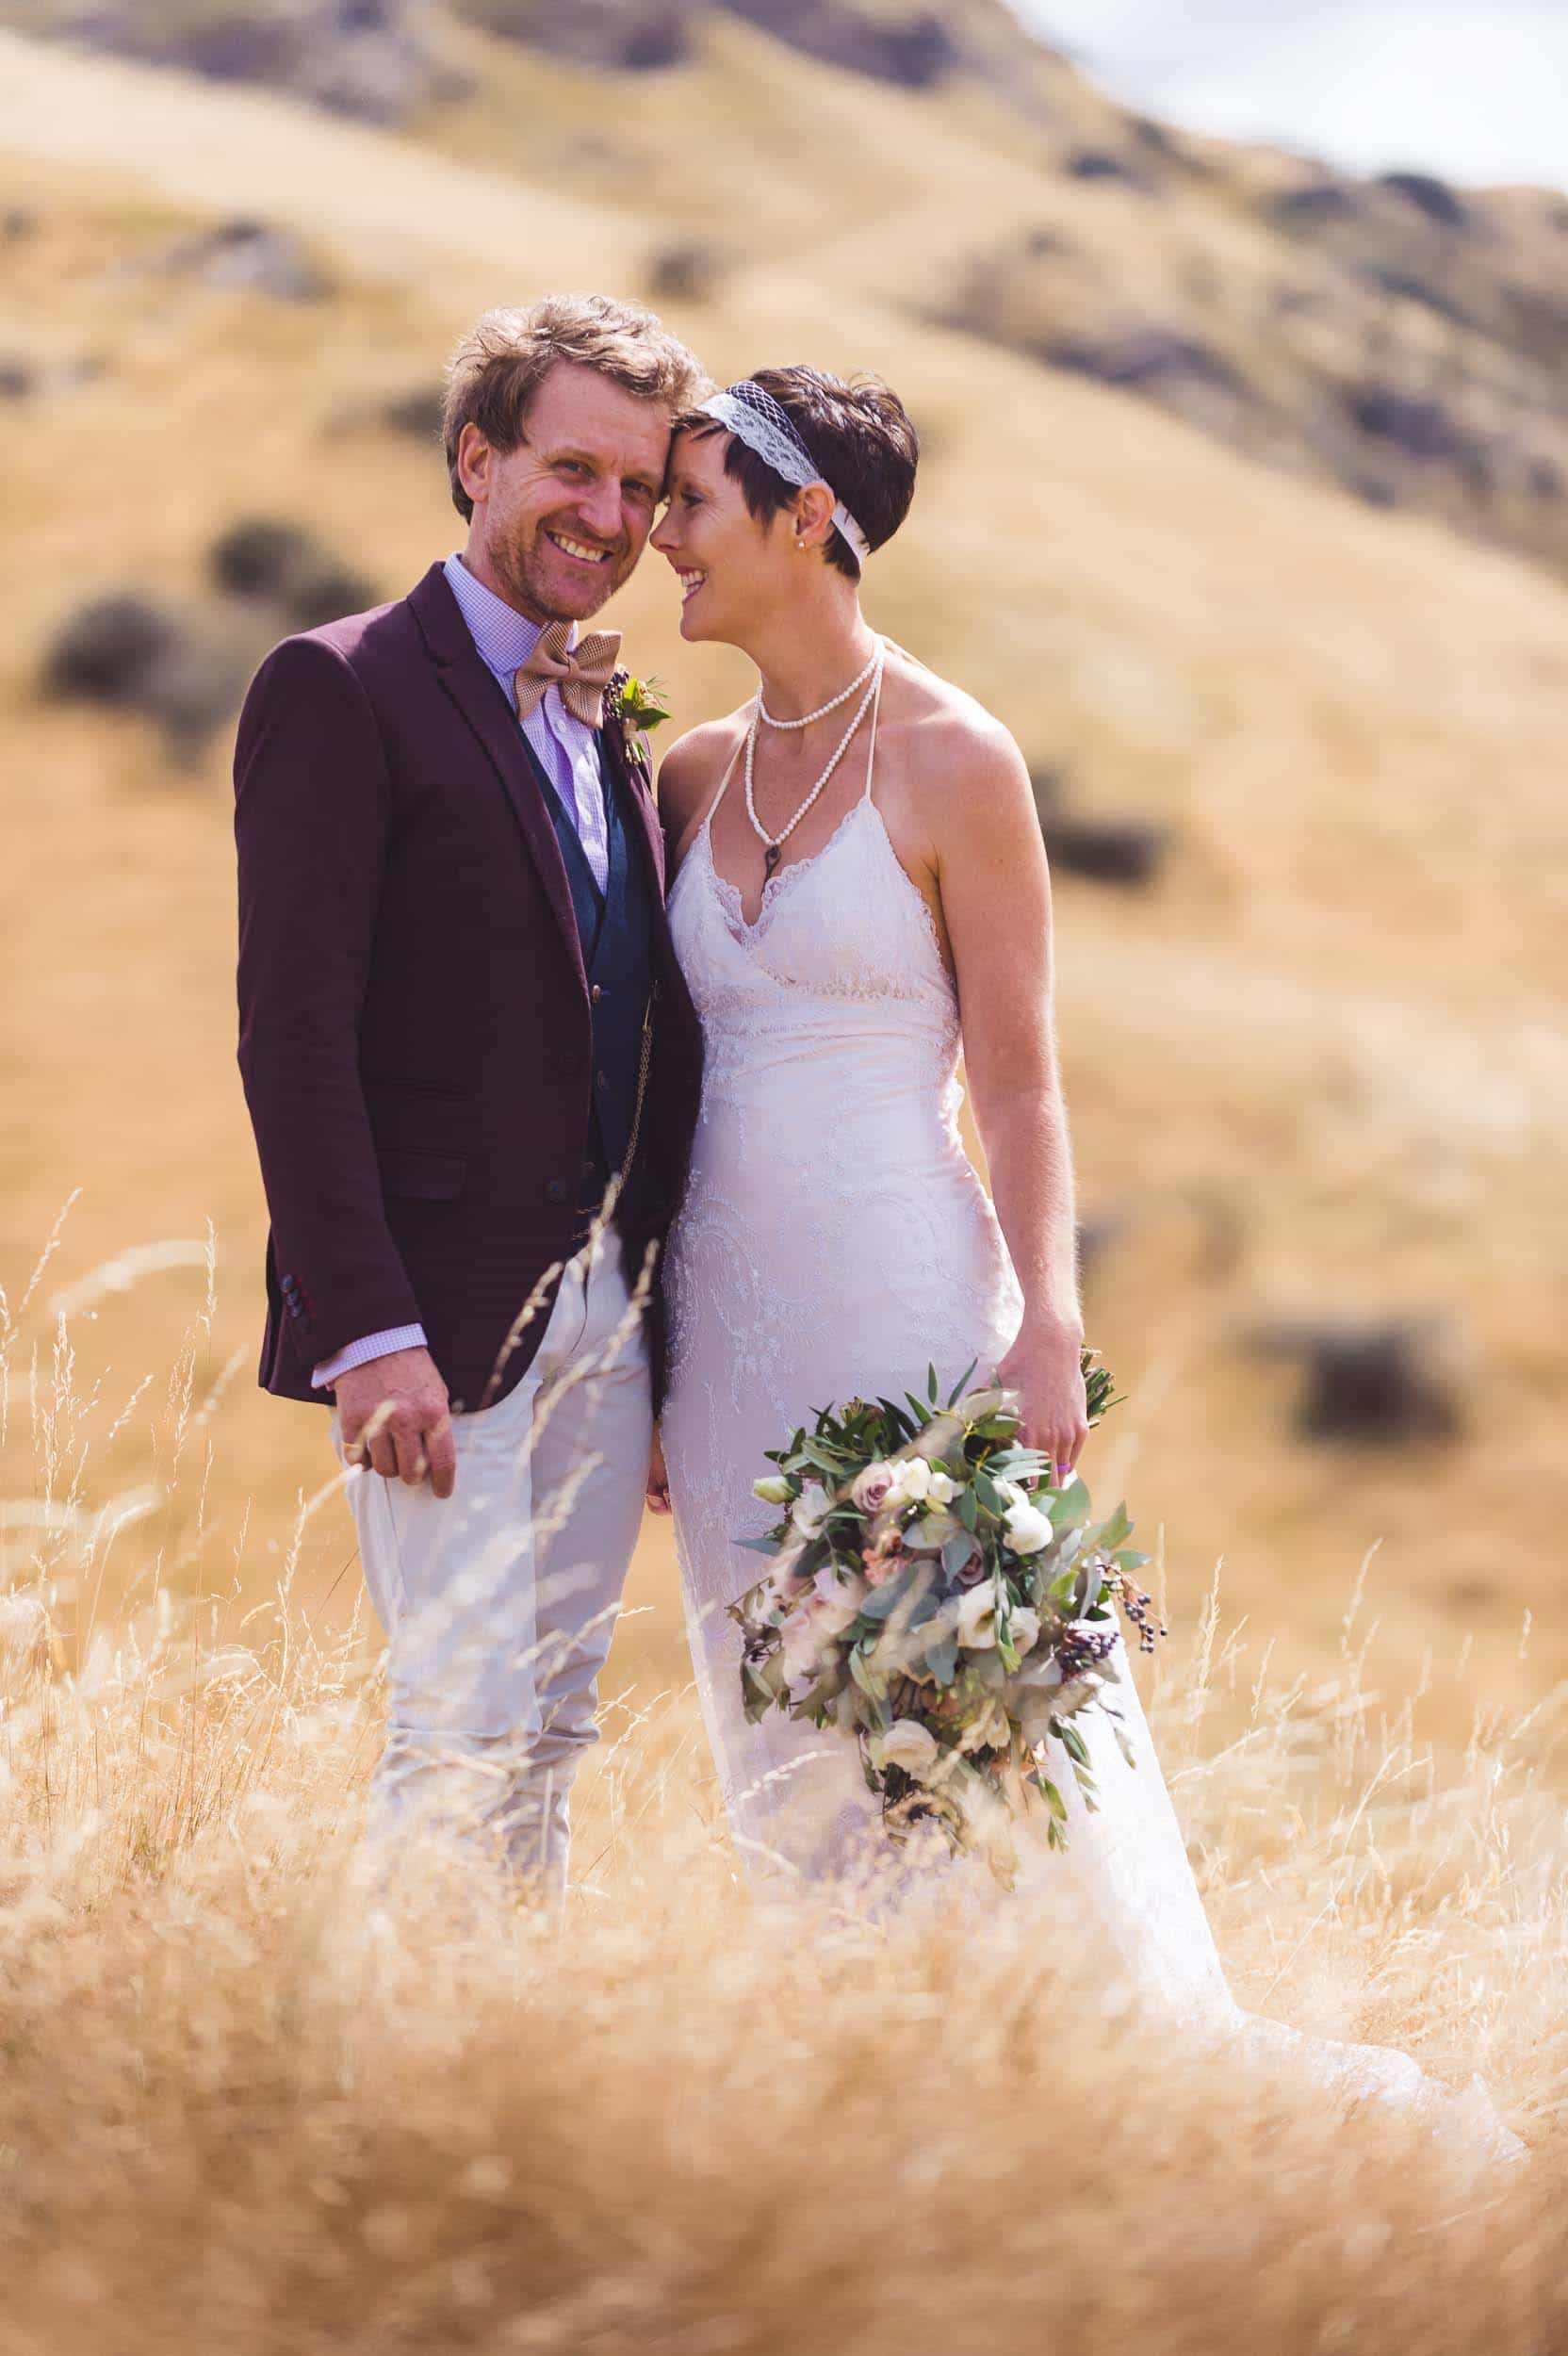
(941, 1658)
(882, 1602)
(1072, 1742)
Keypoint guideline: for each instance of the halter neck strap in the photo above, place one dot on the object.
(723, 782)
(876, 712)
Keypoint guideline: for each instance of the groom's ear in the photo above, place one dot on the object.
(474, 456)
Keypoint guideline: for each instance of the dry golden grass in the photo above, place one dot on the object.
(252, 2101)
(1338, 1019)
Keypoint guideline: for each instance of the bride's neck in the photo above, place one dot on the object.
(806, 660)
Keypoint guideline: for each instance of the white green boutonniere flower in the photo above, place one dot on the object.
(640, 705)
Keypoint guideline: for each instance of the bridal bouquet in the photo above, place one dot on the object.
(933, 1593)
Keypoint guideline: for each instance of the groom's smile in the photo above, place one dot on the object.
(561, 518)
(577, 549)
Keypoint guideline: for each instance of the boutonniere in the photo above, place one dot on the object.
(638, 705)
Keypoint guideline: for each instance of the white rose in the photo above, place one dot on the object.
(977, 1618)
(772, 1489)
(912, 1481)
(991, 1730)
(810, 1509)
(941, 1488)
(1029, 1531)
(1023, 1628)
(906, 1745)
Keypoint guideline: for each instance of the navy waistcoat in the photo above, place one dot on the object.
(615, 928)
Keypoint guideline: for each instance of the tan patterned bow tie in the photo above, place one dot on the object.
(582, 672)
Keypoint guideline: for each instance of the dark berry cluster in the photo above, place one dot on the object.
(1086, 1648)
(1139, 1609)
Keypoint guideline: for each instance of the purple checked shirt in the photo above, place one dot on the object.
(570, 752)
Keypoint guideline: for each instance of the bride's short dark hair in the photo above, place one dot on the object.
(858, 432)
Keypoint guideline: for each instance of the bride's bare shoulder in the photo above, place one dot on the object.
(950, 747)
(690, 772)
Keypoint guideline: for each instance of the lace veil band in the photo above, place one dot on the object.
(756, 420)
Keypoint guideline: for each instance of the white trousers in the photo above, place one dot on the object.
(498, 1602)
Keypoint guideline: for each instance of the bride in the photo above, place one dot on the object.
(860, 891)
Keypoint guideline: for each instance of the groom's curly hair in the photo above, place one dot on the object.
(855, 428)
(505, 356)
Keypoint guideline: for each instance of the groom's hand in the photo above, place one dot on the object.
(395, 1415)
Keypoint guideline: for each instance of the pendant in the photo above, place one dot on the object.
(771, 857)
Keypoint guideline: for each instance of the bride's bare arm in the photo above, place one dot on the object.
(995, 890)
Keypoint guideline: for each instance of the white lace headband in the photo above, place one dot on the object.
(756, 418)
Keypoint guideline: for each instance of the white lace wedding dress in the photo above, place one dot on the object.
(835, 1239)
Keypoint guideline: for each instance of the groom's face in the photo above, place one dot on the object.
(562, 519)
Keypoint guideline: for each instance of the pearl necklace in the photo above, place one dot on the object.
(822, 710)
(774, 844)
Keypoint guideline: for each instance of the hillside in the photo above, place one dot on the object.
(1316, 1065)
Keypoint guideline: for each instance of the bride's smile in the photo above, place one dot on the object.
(728, 562)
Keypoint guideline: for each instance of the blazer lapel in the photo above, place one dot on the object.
(479, 698)
(638, 800)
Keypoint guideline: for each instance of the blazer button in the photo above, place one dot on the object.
(601, 1079)
(595, 993)
(555, 1190)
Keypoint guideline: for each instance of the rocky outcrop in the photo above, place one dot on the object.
(617, 36)
(915, 51)
(375, 59)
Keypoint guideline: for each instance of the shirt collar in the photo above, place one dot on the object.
(504, 637)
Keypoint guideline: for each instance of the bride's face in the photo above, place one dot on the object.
(729, 565)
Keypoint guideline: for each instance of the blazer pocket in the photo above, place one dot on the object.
(423, 1177)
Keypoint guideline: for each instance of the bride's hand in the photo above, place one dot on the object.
(659, 1480)
(1044, 1368)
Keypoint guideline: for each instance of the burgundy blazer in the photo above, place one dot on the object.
(414, 1019)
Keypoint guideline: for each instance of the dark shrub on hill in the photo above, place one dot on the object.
(1148, 359)
(1405, 284)
(1387, 1380)
(1100, 163)
(289, 569)
(1107, 850)
(1417, 424)
(251, 256)
(109, 649)
(1315, 202)
(418, 412)
(1435, 198)
(916, 50)
(620, 36)
(687, 273)
(131, 654)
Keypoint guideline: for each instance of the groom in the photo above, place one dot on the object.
(462, 1028)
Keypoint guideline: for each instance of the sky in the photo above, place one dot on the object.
(1477, 92)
